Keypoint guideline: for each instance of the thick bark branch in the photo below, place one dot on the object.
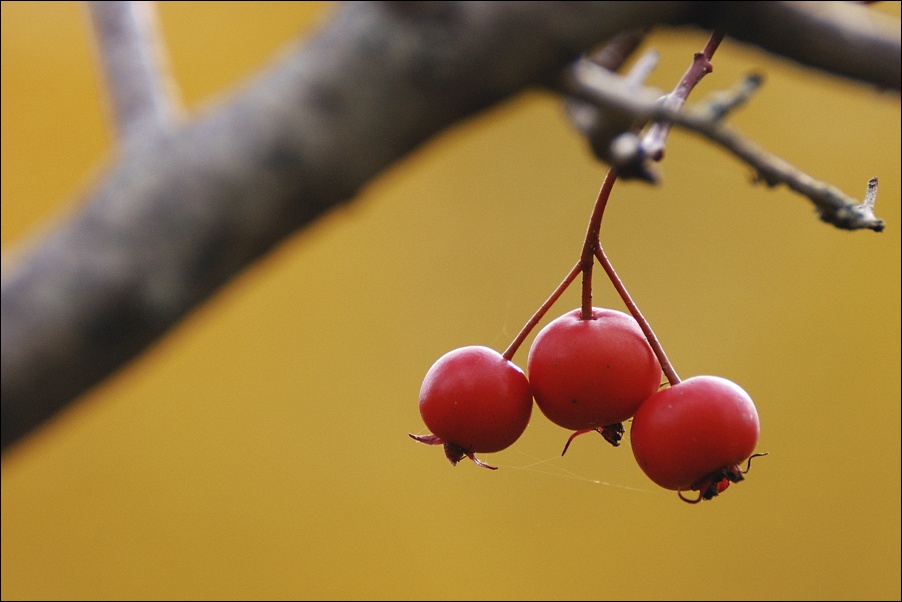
(840, 38)
(183, 210)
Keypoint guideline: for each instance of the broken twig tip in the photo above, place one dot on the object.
(867, 206)
(870, 196)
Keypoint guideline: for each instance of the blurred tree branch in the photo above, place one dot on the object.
(185, 207)
(132, 59)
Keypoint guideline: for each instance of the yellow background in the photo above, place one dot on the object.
(260, 449)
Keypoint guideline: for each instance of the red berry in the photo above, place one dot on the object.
(589, 374)
(474, 400)
(694, 435)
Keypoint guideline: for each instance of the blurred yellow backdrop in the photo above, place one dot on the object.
(260, 450)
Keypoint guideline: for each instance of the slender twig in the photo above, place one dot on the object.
(720, 103)
(605, 129)
(870, 196)
(138, 84)
(618, 50)
(594, 84)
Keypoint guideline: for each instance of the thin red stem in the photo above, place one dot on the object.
(653, 143)
(711, 47)
(540, 313)
(587, 260)
(666, 366)
(701, 65)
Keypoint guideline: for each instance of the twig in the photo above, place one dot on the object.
(604, 127)
(722, 102)
(592, 83)
(140, 91)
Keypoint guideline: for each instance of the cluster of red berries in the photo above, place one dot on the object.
(592, 375)
(592, 369)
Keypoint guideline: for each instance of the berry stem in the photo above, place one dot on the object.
(540, 313)
(666, 366)
(655, 138)
(591, 249)
(587, 258)
(652, 143)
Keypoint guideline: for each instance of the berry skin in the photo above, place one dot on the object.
(591, 374)
(694, 435)
(473, 400)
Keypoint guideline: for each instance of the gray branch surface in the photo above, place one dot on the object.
(134, 66)
(185, 208)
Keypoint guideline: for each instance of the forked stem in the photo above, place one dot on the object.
(655, 140)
